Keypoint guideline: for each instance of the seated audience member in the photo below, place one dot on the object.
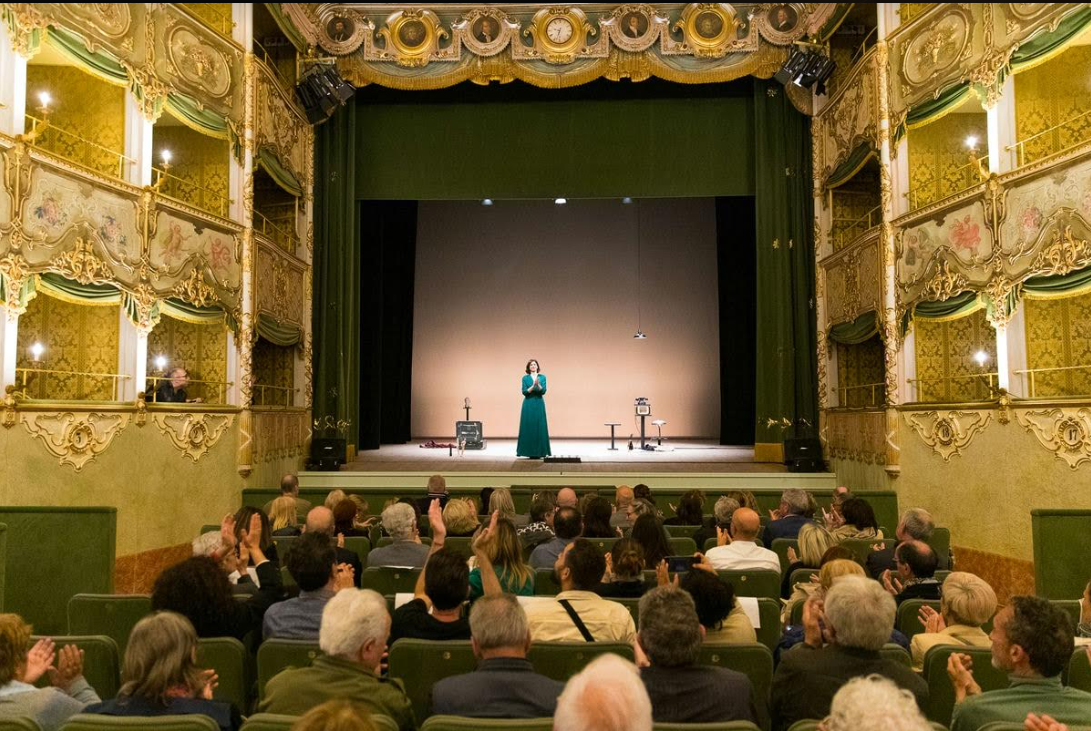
(744, 498)
(312, 562)
(915, 525)
(915, 575)
(623, 498)
(643, 492)
(607, 695)
(334, 497)
(719, 613)
(335, 716)
(648, 531)
(722, 513)
(504, 684)
(854, 519)
(504, 552)
(596, 519)
(364, 519)
(320, 520)
(690, 509)
(1032, 640)
(858, 614)
(21, 665)
(814, 541)
(173, 389)
(803, 590)
(873, 703)
(289, 487)
(567, 524)
(794, 512)
(567, 498)
(483, 498)
(400, 522)
(242, 522)
(437, 490)
(460, 518)
(577, 612)
(355, 627)
(344, 520)
(967, 603)
(624, 575)
(283, 520)
(737, 550)
(500, 500)
(640, 507)
(198, 589)
(160, 677)
(540, 528)
(682, 691)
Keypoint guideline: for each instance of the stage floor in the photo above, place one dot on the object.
(680, 456)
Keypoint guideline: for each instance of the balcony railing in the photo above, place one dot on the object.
(271, 62)
(279, 235)
(1038, 145)
(967, 176)
(212, 16)
(279, 396)
(204, 389)
(1029, 375)
(37, 379)
(846, 230)
(72, 147)
(975, 383)
(874, 392)
(190, 192)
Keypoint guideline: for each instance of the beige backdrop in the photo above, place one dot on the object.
(497, 285)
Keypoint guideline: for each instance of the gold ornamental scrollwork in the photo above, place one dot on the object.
(193, 434)
(711, 30)
(81, 263)
(559, 35)
(486, 31)
(944, 284)
(948, 433)
(194, 290)
(75, 439)
(1065, 432)
(1063, 254)
(412, 37)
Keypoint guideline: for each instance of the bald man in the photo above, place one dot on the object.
(738, 550)
(623, 498)
(320, 520)
(567, 498)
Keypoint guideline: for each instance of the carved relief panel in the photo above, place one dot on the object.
(854, 280)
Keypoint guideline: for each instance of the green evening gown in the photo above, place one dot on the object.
(533, 430)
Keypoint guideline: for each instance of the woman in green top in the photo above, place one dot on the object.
(533, 429)
(505, 552)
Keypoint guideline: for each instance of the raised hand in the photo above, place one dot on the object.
(346, 577)
(340, 540)
(793, 557)
(723, 537)
(959, 668)
(252, 537)
(774, 514)
(39, 660)
(209, 682)
(1035, 722)
(812, 622)
(891, 584)
(931, 619)
(69, 667)
(484, 537)
(608, 575)
(703, 563)
(435, 522)
(227, 531)
(662, 575)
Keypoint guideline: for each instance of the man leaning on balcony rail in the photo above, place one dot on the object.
(173, 391)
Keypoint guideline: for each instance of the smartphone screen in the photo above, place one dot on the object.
(679, 564)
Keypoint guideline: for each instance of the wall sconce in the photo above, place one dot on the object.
(36, 351)
(981, 358)
(971, 153)
(160, 363)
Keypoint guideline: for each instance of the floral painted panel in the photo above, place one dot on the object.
(1033, 204)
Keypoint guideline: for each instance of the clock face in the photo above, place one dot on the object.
(559, 30)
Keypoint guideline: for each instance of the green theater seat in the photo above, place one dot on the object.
(232, 662)
(422, 663)
(941, 696)
(1078, 673)
(387, 580)
(113, 615)
(812, 725)
(269, 722)
(753, 583)
(19, 724)
(562, 660)
(863, 547)
(780, 547)
(101, 662)
(387, 541)
(91, 722)
(908, 620)
(897, 653)
(544, 585)
(276, 655)
(460, 723)
(754, 661)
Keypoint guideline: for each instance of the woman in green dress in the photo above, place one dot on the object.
(533, 429)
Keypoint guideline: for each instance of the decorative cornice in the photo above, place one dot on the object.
(75, 438)
(948, 433)
(1064, 431)
(195, 433)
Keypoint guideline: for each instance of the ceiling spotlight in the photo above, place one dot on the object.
(560, 201)
(486, 201)
(640, 335)
(982, 358)
(971, 142)
(626, 200)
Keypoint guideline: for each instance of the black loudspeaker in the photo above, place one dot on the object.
(470, 432)
(327, 455)
(803, 454)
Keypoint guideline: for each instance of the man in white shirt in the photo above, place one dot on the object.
(737, 550)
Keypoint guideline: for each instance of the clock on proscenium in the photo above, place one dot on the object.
(559, 33)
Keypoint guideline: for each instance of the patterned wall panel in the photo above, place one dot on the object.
(851, 209)
(215, 15)
(859, 367)
(853, 280)
(200, 163)
(1053, 96)
(200, 349)
(274, 365)
(856, 435)
(280, 434)
(946, 369)
(938, 162)
(850, 117)
(85, 106)
(281, 125)
(279, 281)
(909, 11)
(80, 338)
(1058, 335)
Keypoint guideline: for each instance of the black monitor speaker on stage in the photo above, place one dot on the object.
(327, 454)
(802, 449)
(470, 433)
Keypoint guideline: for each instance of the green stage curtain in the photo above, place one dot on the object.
(279, 172)
(101, 64)
(786, 345)
(336, 324)
(862, 328)
(205, 121)
(844, 172)
(287, 27)
(277, 333)
(181, 310)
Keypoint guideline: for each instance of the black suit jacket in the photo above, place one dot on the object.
(807, 679)
(930, 589)
(880, 561)
(344, 555)
(699, 694)
(501, 687)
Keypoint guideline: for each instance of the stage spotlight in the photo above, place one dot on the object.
(322, 90)
(626, 200)
(792, 67)
(486, 201)
(560, 201)
(806, 68)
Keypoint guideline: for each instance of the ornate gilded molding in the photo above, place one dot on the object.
(944, 284)
(75, 438)
(857, 435)
(193, 434)
(948, 433)
(1064, 431)
(82, 264)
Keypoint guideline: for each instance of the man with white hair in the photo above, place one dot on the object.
(794, 512)
(400, 522)
(355, 625)
(916, 524)
(607, 695)
(873, 702)
(842, 639)
(504, 684)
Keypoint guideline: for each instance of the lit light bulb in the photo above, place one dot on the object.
(160, 362)
(560, 201)
(486, 201)
(166, 156)
(981, 357)
(36, 351)
(626, 200)
(971, 142)
(45, 99)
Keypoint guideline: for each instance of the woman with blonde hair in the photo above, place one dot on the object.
(837, 562)
(814, 541)
(335, 716)
(160, 676)
(501, 500)
(967, 603)
(21, 665)
(333, 498)
(505, 551)
(282, 517)
(460, 517)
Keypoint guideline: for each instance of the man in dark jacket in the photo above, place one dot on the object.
(914, 575)
(796, 510)
(843, 639)
(504, 684)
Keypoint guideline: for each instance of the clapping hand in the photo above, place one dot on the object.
(340, 540)
(39, 660)
(252, 537)
(346, 577)
(663, 577)
(227, 531)
(1035, 722)
(723, 537)
(793, 557)
(775, 514)
(833, 519)
(892, 584)
(69, 667)
(209, 682)
(812, 622)
(435, 522)
(703, 563)
(959, 667)
(931, 619)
